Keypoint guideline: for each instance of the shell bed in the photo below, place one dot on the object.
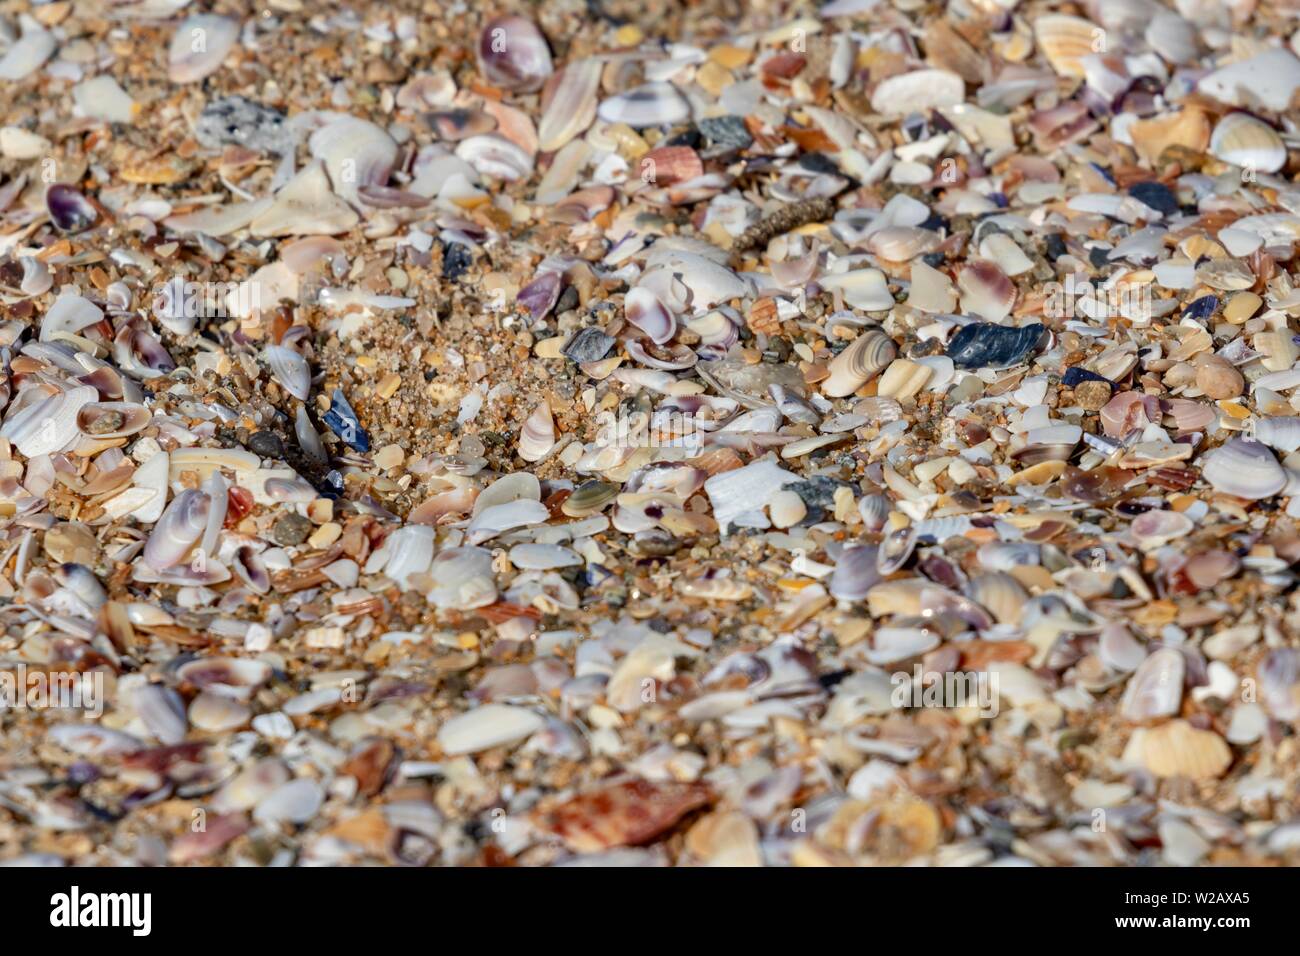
(647, 433)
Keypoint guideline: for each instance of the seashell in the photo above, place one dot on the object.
(47, 425)
(290, 370)
(625, 813)
(865, 357)
(496, 157)
(410, 552)
(1065, 41)
(983, 345)
(463, 579)
(985, 290)
(178, 530)
(1119, 650)
(654, 104)
(874, 510)
(69, 315)
(1280, 432)
(1156, 688)
(1243, 469)
(107, 420)
(1243, 140)
(918, 91)
(544, 557)
(251, 569)
(1157, 528)
(309, 439)
(91, 740)
(1005, 555)
(29, 52)
(855, 573)
(903, 379)
(304, 206)
(343, 421)
(865, 289)
(644, 310)
(217, 713)
(1270, 79)
(590, 497)
(69, 210)
(162, 711)
(199, 46)
(355, 153)
(891, 645)
(930, 290)
(37, 278)
(488, 726)
(297, 801)
(537, 436)
(1177, 749)
(569, 104)
(1279, 684)
(513, 54)
(455, 125)
(540, 295)
(998, 593)
(745, 490)
(901, 243)
(896, 550)
(102, 98)
(231, 676)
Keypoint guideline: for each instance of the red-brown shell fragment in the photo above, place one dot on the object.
(630, 813)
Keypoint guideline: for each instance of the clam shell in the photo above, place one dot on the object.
(570, 104)
(874, 510)
(29, 52)
(986, 291)
(644, 310)
(903, 379)
(1244, 469)
(1065, 41)
(1270, 78)
(901, 243)
(983, 345)
(1156, 688)
(896, 550)
(1279, 684)
(463, 579)
(865, 357)
(1280, 432)
(162, 711)
(855, 573)
(355, 153)
(492, 725)
(217, 712)
(1000, 594)
(930, 290)
(1157, 528)
(654, 104)
(865, 289)
(178, 530)
(297, 801)
(104, 420)
(232, 676)
(589, 498)
(410, 552)
(918, 91)
(47, 425)
(290, 369)
(495, 156)
(1243, 140)
(537, 436)
(513, 54)
(199, 46)
(69, 210)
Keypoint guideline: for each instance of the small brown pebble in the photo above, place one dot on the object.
(1219, 380)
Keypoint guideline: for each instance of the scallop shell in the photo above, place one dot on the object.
(1000, 594)
(106, 420)
(1177, 749)
(1243, 140)
(570, 104)
(178, 530)
(537, 436)
(1280, 432)
(290, 370)
(866, 356)
(199, 46)
(1157, 528)
(1065, 41)
(1156, 688)
(1244, 469)
(874, 510)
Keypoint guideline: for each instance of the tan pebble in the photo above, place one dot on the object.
(787, 509)
(1241, 307)
(1092, 395)
(389, 385)
(961, 471)
(321, 510)
(1219, 380)
(325, 535)
(390, 456)
(549, 348)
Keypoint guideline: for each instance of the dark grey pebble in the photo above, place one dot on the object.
(588, 345)
(985, 345)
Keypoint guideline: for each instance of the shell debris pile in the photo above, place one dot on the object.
(650, 434)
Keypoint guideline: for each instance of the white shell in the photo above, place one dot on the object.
(355, 152)
(463, 578)
(654, 104)
(492, 725)
(1245, 469)
(537, 436)
(48, 425)
(410, 551)
(199, 46)
(290, 369)
(1243, 140)
(918, 91)
(1156, 688)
